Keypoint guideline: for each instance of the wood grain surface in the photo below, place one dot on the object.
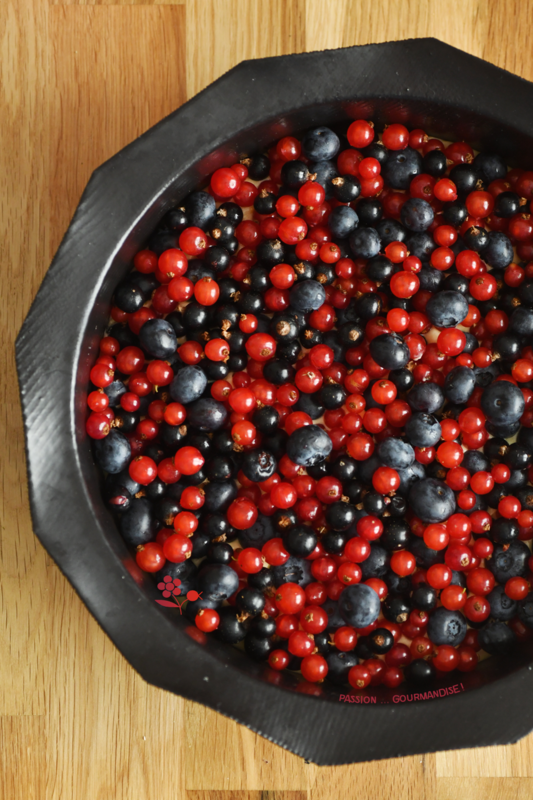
(79, 80)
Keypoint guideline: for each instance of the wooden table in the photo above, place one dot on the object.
(79, 81)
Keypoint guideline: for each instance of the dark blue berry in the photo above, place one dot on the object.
(446, 627)
(400, 167)
(309, 445)
(459, 384)
(207, 414)
(112, 453)
(365, 243)
(390, 351)
(417, 214)
(502, 402)
(447, 309)
(307, 296)
(426, 396)
(188, 385)
(432, 500)
(423, 430)
(359, 605)
(320, 144)
(395, 453)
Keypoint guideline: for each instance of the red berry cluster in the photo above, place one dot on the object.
(375, 400)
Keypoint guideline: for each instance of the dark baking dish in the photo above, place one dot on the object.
(422, 83)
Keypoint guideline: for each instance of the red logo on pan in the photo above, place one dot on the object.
(171, 589)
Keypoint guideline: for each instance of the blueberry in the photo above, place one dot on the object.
(365, 243)
(420, 245)
(509, 561)
(501, 605)
(409, 476)
(218, 581)
(432, 500)
(498, 252)
(426, 396)
(502, 402)
(320, 144)
(490, 166)
(474, 461)
(447, 309)
(188, 384)
(400, 167)
(294, 570)
(200, 208)
(496, 638)
(423, 430)
(459, 384)
(339, 665)
(521, 322)
(207, 414)
(343, 221)
(137, 524)
(525, 610)
(158, 338)
(218, 496)
(417, 214)
(112, 453)
(389, 351)
(389, 230)
(430, 279)
(309, 445)
(359, 605)
(307, 296)
(395, 453)
(446, 627)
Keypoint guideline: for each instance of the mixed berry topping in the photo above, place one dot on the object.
(314, 406)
